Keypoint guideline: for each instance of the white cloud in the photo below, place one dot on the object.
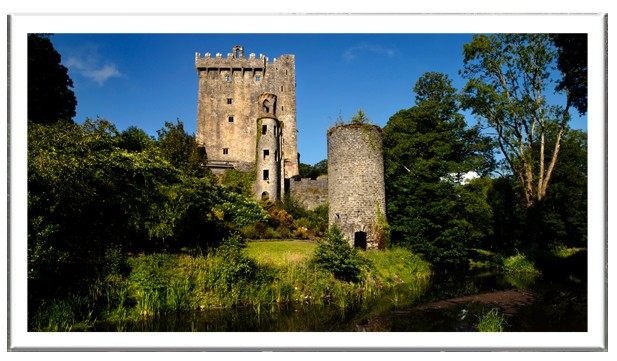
(89, 67)
(352, 53)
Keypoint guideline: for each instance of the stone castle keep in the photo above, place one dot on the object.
(246, 120)
(246, 117)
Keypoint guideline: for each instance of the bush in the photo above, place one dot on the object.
(519, 264)
(334, 254)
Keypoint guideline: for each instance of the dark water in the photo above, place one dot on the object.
(558, 303)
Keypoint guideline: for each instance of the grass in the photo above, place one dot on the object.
(260, 276)
(280, 253)
(492, 321)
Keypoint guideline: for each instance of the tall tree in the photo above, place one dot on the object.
(508, 78)
(572, 62)
(423, 147)
(49, 95)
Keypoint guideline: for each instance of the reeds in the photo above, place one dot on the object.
(491, 321)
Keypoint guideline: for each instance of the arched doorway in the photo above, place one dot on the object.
(359, 240)
(265, 196)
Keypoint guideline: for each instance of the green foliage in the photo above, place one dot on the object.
(313, 171)
(360, 118)
(508, 76)
(95, 194)
(50, 98)
(182, 151)
(238, 265)
(572, 62)
(564, 210)
(398, 265)
(491, 321)
(423, 146)
(334, 254)
(519, 264)
(238, 182)
(508, 214)
(134, 139)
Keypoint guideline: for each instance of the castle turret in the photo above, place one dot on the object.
(356, 186)
(267, 183)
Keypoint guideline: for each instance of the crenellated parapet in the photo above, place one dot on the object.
(207, 62)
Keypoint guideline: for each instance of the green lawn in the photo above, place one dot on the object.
(280, 253)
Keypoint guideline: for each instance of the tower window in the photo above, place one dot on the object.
(266, 174)
(225, 150)
(266, 153)
(230, 119)
(228, 78)
(281, 88)
(257, 77)
(229, 100)
(264, 129)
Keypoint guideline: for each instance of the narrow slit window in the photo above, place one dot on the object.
(225, 150)
(266, 153)
(266, 174)
(228, 78)
(230, 119)
(281, 88)
(264, 129)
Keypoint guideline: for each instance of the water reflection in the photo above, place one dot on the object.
(449, 303)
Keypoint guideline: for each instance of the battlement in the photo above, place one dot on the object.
(230, 62)
(235, 60)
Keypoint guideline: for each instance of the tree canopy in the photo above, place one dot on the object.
(572, 62)
(423, 146)
(49, 95)
(508, 77)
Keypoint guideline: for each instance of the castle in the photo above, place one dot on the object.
(246, 120)
(246, 117)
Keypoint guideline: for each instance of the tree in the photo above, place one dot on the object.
(49, 95)
(564, 212)
(572, 62)
(423, 146)
(181, 149)
(333, 254)
(508, 76)
(314, 171)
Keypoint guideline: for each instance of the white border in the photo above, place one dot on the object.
(20, 24)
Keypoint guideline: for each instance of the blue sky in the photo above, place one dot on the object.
(145, 80)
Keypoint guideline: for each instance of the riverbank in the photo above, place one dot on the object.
(260, 275)
(266, 277)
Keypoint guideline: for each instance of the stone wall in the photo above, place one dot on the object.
(310, 193)
(228, 107)
(356, 187)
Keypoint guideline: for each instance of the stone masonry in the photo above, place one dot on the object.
(310, 193)
(229, 109)
(356, 187)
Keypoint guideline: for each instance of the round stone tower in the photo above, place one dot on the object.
(268, 150)
(356, 186)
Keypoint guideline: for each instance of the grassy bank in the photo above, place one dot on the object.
(259, 275)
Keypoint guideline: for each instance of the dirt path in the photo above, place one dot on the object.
(507, 301)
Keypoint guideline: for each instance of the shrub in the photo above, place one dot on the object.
(334, 254)
(519, 264)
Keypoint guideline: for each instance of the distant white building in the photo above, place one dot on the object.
(461, 178)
